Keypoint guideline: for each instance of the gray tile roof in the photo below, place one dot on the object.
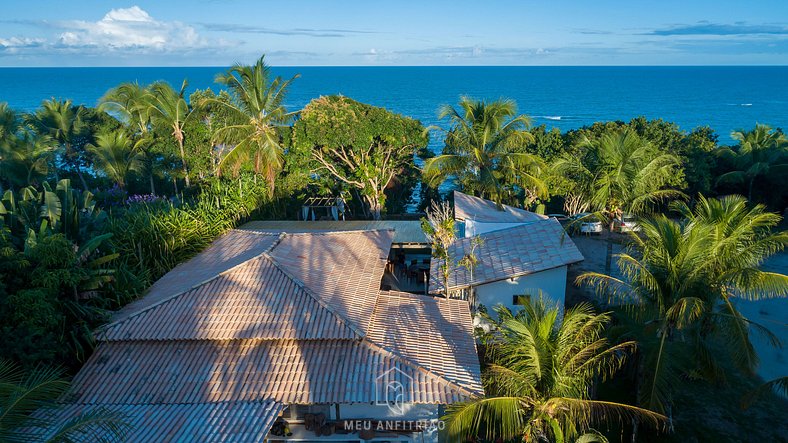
(468, 207)
(230, 422)
(508, 253)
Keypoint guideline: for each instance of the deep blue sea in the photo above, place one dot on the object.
(725, 98)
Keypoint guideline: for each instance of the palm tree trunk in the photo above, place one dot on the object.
(183, 161)
(152, 186)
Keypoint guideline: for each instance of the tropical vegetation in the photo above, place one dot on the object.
(541, 371)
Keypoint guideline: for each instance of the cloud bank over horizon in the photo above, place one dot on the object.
(164, 35)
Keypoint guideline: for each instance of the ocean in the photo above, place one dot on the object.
(722, 97)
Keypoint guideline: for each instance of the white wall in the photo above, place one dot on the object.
(475, 228)
(551, 282)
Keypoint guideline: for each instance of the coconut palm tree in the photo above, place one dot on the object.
(680, 282)
(62, 120)
(9, 123)
(28, 410)
(169, 109)
(257, 114)
(27, 158)
(761, 152)
(116, 156)
(130, 102)
(539, 381)
(623, 174)
(483, 150)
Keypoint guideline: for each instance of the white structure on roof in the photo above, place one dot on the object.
(521, 254)
(476, 215)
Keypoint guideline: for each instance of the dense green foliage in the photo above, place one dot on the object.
(681, 280)
(540, 374)
(354, 146)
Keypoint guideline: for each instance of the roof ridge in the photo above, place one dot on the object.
(344, 320)
(103, 328)
(406, 361)
(352, 231)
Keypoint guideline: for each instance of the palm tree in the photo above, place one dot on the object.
(623, 174)
(115, 154)
(484, 150)
(27, 158)
(9, 123)
(539, 382)
(63, 122)
(680, 282)
(27, 410)
(761, 152)
(169, 109)
(130, 102)
(257, 114)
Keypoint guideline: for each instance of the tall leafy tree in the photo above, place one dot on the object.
(762, 152)
(256, 115)
(62, 120)
(484, 150)
(169, 109)
(680, 283)
(116, 156)
(367, 148)
(539, 382)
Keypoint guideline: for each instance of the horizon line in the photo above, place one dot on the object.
(412, 66)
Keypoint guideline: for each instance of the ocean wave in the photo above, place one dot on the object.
(551, 117)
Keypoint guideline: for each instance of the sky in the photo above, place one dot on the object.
(405, 33)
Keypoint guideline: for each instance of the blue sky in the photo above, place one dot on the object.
(307, 32)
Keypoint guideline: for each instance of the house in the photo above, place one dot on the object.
(476, 215)
(520, 254)
(282, 337)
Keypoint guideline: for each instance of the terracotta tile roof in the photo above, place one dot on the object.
(433, 333)
(405, 231)
(229, 250)
(302, 320)
(342, 268)
(468, 207)
(229, 422)
(253, 300)
(508, 253)
(287, 371)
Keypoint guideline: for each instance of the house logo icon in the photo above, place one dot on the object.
(391, 389)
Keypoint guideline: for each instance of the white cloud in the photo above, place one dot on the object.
(130, 28)
(20, 42)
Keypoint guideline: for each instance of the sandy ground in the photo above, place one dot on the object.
(771, 313)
